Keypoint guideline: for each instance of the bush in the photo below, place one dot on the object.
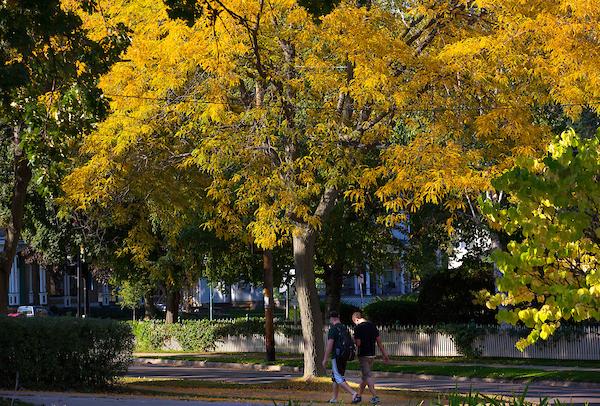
(346, 311)
(192, 335)
(63, 353)
(404, 310)
(448, 296)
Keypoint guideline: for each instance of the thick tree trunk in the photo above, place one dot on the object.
(149, 309)
(22, 173)
(173, 298)
(334, 278)
(268, 297)
(308, 299)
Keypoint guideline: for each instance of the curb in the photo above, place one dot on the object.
(282, 368)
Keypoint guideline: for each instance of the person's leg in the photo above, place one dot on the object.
(347, 388)
(371, 384)
(364, 374)
(368, 375)
(339, 369)
(361, 387)
(336, 391)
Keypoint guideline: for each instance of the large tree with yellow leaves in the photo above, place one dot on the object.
(286, 113)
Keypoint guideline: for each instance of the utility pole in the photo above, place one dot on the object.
(210, 301)
(78, 285)
(85, 281)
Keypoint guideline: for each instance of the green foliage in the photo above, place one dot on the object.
(396, 311)
(346, 311)
(550, 270)
(477, 399)
(63, 353)
(448, 296)
(192, 335)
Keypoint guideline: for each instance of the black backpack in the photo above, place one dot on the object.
(344, 345)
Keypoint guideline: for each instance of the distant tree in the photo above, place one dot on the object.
(352, 242)
(49, 67)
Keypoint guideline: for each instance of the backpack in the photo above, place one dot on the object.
(344, 345)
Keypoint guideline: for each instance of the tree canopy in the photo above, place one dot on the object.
(258, 117)
(550, 269)
(49, 67)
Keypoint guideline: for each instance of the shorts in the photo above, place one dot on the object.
(338, 369)
(366, 365)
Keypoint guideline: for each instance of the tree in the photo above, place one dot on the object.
(550, 269)
(350, 242)
(488, 76)
(289, 111)
(48, 97)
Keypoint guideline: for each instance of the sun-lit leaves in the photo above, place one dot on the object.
(550, 270)
(474, 102)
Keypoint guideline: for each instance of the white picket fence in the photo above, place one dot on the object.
(583, 344)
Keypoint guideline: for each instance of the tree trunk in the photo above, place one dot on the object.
(308, 299)
(4, 280)
(22, 173)
(334, 278)
(268, 297)
(149, 309)
(173, 298)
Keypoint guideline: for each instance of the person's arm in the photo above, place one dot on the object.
(386, 359)
(328, 350)
(357, 338)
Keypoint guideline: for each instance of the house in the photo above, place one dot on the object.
(32, 284)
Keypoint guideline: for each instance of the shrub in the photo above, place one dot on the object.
(63, 353)
(346, 311)
(448, 296)
(192, 335)
(394, 311)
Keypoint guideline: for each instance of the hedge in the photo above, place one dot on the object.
(394, 311)
(198, 335)
(63, 352)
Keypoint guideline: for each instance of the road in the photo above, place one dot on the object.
(569, 394)
(574, 393)
(65, 399)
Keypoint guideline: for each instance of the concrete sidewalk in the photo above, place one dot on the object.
(77, 399)
(577, 393)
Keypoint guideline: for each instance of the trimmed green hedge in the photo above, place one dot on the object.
(63, 352)
(192, 335)
(404, 311)
(197, 335)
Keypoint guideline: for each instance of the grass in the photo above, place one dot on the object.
(508, 372)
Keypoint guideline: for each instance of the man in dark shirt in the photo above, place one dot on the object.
(366, 336)
(338, 363)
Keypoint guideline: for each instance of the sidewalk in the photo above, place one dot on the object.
(78, 399)
(577, 393)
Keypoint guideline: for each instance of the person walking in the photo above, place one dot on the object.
(366, 336)
(338, 346)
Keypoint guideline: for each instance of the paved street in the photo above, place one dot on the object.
(209, 374)
(574, 393)
(64, 399)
